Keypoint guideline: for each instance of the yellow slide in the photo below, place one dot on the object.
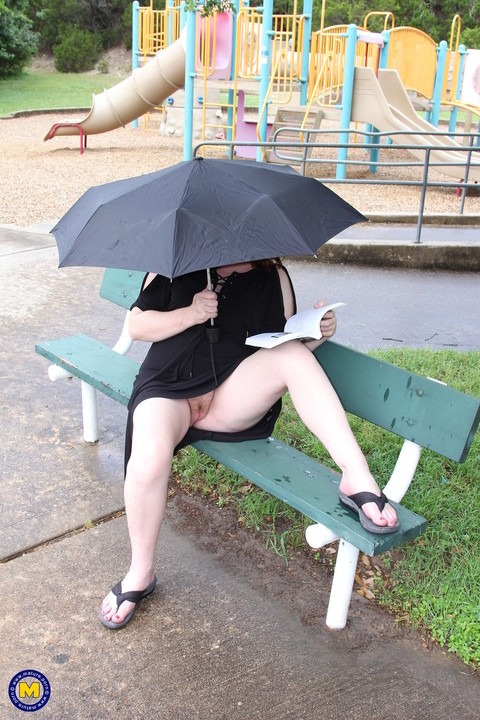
(384, 103)
(146, 87)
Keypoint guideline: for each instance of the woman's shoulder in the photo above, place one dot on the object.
(288, 292)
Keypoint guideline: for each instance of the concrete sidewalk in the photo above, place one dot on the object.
(392, 243)
(230, 632)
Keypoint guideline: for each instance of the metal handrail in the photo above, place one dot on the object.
(302, 156)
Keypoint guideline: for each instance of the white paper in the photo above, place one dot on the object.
(302, 326)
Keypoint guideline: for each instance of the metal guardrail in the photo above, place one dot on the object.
(299, 154)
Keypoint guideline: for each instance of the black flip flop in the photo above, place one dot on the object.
(355, 502)
(133, 596)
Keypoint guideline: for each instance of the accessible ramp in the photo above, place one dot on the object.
(147, 87)
(384, 103)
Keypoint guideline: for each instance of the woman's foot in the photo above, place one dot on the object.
(375, 516)
(119, 605)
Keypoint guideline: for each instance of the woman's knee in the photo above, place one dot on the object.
(292, 354)
(149, 469)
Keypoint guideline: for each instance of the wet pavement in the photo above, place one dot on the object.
(395, 307)
(230, 631)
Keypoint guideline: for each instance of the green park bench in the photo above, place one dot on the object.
(424, 412)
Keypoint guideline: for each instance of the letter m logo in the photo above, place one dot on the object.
(25, 690)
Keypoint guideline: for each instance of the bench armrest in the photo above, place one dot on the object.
(124, 342)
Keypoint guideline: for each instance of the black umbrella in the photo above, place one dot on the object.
(200, 214)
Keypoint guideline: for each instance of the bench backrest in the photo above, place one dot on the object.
(121, 286)
(414, 407)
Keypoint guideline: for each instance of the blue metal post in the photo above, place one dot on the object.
(135, 48)
(265, 63)
(458, 90)
(384, 64)
(434, 114)
(231, 101)
(347, 98)
(236, 4)
(307, 11)
(383, 60)
(191, 21)
(369, 140)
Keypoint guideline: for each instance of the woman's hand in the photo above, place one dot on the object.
(328, 323)
(204, 307)
(328, 326)
(156, 325)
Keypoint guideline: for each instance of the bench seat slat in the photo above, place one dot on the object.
(93, 362)
(417, 408)
(308, 487)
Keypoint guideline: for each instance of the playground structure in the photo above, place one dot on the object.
(357, 75)
(131, 98)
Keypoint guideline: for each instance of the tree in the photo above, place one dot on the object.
(104, 18)
(434, 18)
(77, 52)
(17, 41)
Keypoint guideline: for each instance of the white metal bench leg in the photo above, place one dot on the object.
(342, 585)
(403, 471)
(318, 535)
(57, 373)
(124, 342)
(89, 410)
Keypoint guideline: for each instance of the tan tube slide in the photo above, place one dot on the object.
(146, 87)
(384, 103)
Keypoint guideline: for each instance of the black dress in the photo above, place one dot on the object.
(188, 364)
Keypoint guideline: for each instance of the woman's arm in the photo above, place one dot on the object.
(155, 325)
(289, 304)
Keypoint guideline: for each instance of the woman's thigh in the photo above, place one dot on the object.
(251, 390)
(158, 426)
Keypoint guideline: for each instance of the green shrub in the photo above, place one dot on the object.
(127, 27)
(17, 41)
(103, 67)
(51, 18)
(77, 52)
(471, 38)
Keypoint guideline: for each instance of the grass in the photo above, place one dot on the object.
(40, 90)
(431, 583)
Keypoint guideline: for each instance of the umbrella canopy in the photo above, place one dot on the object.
(198, 214)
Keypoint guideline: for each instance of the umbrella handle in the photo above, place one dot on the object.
(209, 280)
(213, 332)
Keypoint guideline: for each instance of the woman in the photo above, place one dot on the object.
(190, 387)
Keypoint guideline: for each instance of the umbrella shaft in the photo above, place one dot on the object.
(209, 286)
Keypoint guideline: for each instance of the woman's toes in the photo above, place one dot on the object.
(387, 516)
(109, 608)
(372, 512)
(384, 517)
(390, 515)
(108, 603)
(121, 614)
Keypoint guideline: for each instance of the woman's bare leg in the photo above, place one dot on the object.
(238, 403)
(158, 426)
(291, 366)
